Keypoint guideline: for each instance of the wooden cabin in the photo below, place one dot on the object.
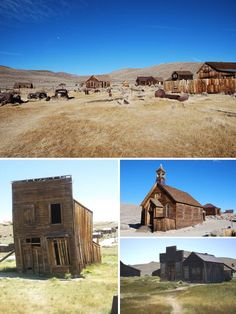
(128, 271)
(217, 70)
(148, 80)
(52, 231)
(181, 75)
(98, 81)
(205, 268)
(211, 210)
(23, 85)
(172, 264)
(165, 208)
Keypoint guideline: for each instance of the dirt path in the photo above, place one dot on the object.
(176, 307)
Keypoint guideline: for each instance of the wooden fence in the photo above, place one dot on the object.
(210, 86)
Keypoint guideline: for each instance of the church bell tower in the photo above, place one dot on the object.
(161, 175)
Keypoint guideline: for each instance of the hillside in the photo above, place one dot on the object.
(49, 79)
(147, 269)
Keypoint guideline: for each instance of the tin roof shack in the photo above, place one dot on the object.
(205, 268)
(182, 75)
(165, 208)
(172, 264)
(212, 210)
(129, 271)
(148, 80)
(217, 70)
(98, 81)
(23, 85)
(52, 231)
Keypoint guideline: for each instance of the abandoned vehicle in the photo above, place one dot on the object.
(128, 271)
(217, 70)
(61, 93)
(165, 208)
(211, 210)
(193, 267)
(98, 81)
(23, 85)
(37, 95)
(10, 98)
(148, 80)
(182, 75)
(52, 231)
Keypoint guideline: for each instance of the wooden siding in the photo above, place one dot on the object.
(187, 215)
(206, 71)
(199, 86)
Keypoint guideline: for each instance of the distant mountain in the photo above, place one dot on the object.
(45, 78)
(147, 269)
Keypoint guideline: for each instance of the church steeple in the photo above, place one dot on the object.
(161, 175)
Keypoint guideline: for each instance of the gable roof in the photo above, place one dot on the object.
(177, 196)
(145, 78)
(223, 66)
(100, 77)
(156, 202)
(209, 205)
(183, 72)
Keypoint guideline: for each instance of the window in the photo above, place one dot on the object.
(55, 213)
(33, 241)
(61, 253)
(28, 214)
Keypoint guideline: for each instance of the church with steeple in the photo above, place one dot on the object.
(165, 207)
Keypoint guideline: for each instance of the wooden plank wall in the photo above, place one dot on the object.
(210, 86)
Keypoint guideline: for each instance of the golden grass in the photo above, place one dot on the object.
(93, 294)
(207, 299)
(93, 127)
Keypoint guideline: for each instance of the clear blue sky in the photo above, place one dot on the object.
(206, 180)
(145, 250)
(91, 36)
(95, 183)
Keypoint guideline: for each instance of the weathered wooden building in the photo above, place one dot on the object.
(148, 80)
(181, 75)
(165, 207)
(98, 81)
(217, 70)
(23, 85)
(205, 268)
(52, 231)
(128, 271)
(193, 267)
(211, 210)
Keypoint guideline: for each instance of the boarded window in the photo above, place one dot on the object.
(186, 273)
(29, 214)
(55, 213)
(61, 253)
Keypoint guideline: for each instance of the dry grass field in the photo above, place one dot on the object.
(91, 294)
(96, 126)
(147, 294)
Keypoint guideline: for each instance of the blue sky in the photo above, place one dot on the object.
(95, 183)
(145, 250)
(85, 37)
(209, 181)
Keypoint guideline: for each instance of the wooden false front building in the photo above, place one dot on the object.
(217, 70)
(129, 271)
(211, 210)
(52, 231)
(193, 267)
(148, 80)
(98, 81)
(165, 208)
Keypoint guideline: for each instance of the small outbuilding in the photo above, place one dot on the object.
(23, 85)
(182, 75)
(211, 210)
(98, 81)
(148, 80)
(129, 271)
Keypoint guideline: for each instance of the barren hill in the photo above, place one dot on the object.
(49, 79)
(147, 269)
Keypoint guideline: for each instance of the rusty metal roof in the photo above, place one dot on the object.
(223, 66)
(179, 196)
(209, 205)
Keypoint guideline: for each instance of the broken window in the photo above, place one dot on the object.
(55, 213)
(33, 241)
(61, 253)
